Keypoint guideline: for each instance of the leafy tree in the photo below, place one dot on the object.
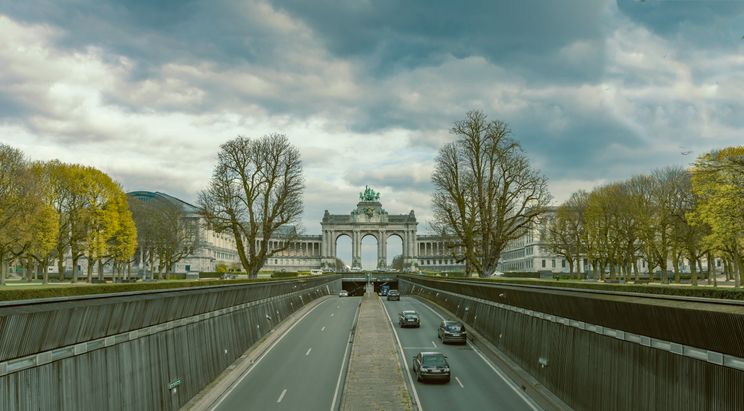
(718, 182)
(101, 217)
(42, 224)
(255, 189)
(14, 194)
(486, 194)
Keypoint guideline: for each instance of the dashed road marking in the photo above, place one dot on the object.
(459, 382)
(322, 329)
(308, 351)
(434, 344)
(331, 314)
(281, 396)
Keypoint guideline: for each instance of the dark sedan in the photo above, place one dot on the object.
(429, 366)
(452, 331)
(409, 319)
(393, 295)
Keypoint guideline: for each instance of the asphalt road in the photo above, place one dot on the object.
(476, 383)
(302, 371)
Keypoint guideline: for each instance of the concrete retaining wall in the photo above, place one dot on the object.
(593, 367)
(144, 351)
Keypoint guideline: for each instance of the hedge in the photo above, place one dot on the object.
(85, 289)
(284, 274)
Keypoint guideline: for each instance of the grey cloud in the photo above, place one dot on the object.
(394, 36)
(397, 178)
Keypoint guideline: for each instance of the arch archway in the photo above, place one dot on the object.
(369, 252)
(343, 247)
(393, 251)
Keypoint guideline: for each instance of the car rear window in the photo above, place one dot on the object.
(454, 327)
(434, 360)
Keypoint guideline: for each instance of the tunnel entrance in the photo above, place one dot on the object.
(356, 284)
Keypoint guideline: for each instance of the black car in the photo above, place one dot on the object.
(409, 319)
(393, 295)
(431, 366)
(452, 331)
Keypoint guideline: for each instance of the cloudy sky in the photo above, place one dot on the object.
(147, 90)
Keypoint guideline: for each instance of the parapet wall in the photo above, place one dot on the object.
(594, 366)
(143, 351)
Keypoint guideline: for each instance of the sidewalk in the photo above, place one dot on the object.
(375, 379)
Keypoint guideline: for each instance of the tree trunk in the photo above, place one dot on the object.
(636, 270)
(74, 268)
(61, 266)
(675, 267)
(739, 262)
(91, 264)
(45, 274)
(2, 268)
(100, 270)
(693, 272)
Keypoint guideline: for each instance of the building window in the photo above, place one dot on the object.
(553, 263)
(543, 263)
(563, 263)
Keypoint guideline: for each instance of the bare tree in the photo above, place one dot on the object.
(486, 194)
(166, 234)
(255, 189)
(566, 230)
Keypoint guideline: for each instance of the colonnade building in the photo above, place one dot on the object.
(304, 252)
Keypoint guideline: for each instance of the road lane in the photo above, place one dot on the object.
(302, 370)
(474, 383)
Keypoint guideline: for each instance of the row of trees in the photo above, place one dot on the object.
(50, 209)
(664, 218)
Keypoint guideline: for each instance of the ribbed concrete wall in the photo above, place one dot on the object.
(595, 368)
(125, 353)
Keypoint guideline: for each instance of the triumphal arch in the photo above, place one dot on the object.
(369, 219)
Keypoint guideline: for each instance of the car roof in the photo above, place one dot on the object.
(449, 322)
(427, 353)
(409, 312)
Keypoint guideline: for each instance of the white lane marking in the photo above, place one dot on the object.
(281, 397)
(405, 363)
(341, 373)
(459, 382)
(508, 381)
(434, 344)
(331, 314)
(322, 329)
(258, 360)
(308, 351)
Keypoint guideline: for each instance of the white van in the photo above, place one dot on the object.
(316, 271)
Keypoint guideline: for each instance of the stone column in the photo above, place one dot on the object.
(381, 250)
(357, 239)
